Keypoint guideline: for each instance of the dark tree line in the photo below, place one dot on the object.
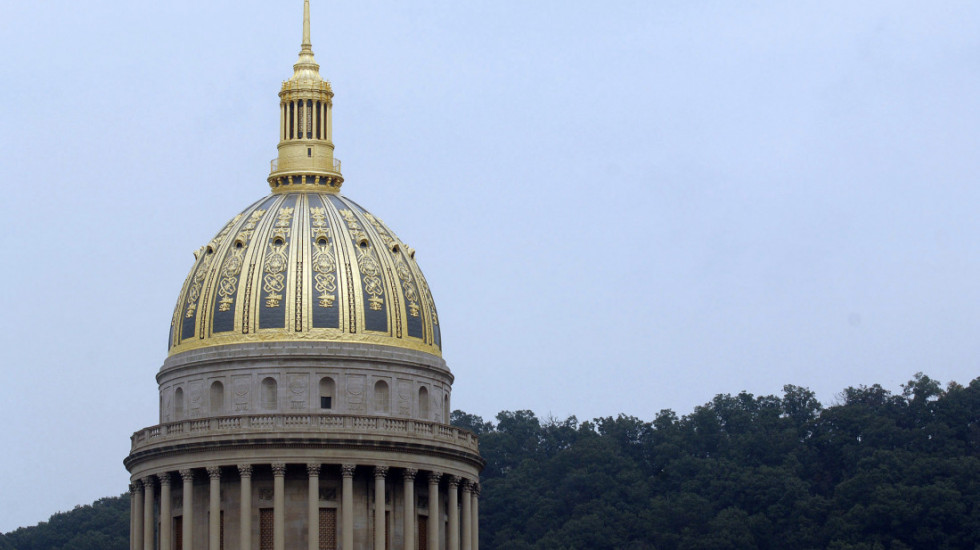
(876, 471)
(102, 525)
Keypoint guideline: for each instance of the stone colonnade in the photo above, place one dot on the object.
(463, 510)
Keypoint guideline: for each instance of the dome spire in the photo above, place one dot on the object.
(306, 158)
(307, 45)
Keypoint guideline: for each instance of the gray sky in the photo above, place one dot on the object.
(620, 206)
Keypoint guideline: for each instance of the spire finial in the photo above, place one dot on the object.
(307, 45)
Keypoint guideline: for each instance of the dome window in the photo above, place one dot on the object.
(278, 241)
(362, 242)
(322, 241)
(327, 387)
(269, 394)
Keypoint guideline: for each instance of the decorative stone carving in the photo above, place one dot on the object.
(164, 478)
(355, 392)
(404, 397)
(454, 481)
(313, 469)
(347, 470)
(136, 487)
(245, 470)
(148, 482)
(380, 472)
(278, 469)
(410, 473)
(214, 472)
(476, 488)
(187, 475)
(434, 477)
(240, 390)
(196, 396)
(299, 398)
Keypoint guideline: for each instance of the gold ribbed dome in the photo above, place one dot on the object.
(305, 263)
(305, 266)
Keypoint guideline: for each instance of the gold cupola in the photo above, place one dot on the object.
(306, 158)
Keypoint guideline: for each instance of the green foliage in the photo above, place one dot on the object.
(103, 525)
(875, 471)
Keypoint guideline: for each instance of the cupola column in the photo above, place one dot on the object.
(166, 518)
(279, 506)
(313, 503)
(347, 506)
(476, 516)
(187, 498)
(214, 508)
(148, 498)
(137, 521)
(245, 537)
(435, 518)
(410, 521)
(453, 505)
(466, 542)
(380, 472)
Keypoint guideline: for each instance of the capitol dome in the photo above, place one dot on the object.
(305, 265)
(304, 401)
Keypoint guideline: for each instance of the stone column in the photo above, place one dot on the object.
(347, 506)
(214, 509)
(279, 506)
(466, 542)
(453, 505)
(313, 502)
(435, 518)
(245, 536)
(137, 521)
(148, 497)
(380, 472)
(187, 498)
(409, 530)
(166, 517)
(476, 516)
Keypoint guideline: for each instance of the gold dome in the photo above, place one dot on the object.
(305, 266)
(305, 263)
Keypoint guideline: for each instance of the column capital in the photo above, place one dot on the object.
(136, 486)
(454, 481)
(214, 472)
(467, 485)
(347, 470)
(476, 488)
(245, 470)
(380, 472)
(148, 482)
(164, 478)
(313, 469)
(187, 475)
(278, 469)
(410, 473)
(434, 477)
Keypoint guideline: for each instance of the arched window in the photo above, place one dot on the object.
(423, 403)
(381, 397)
(217, 398)
(179, 404)
(326, 393)
(445, 408)
(270, 393)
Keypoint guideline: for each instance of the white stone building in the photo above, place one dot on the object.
(304, 402)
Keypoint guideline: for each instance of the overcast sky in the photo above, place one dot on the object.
(620, 206)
